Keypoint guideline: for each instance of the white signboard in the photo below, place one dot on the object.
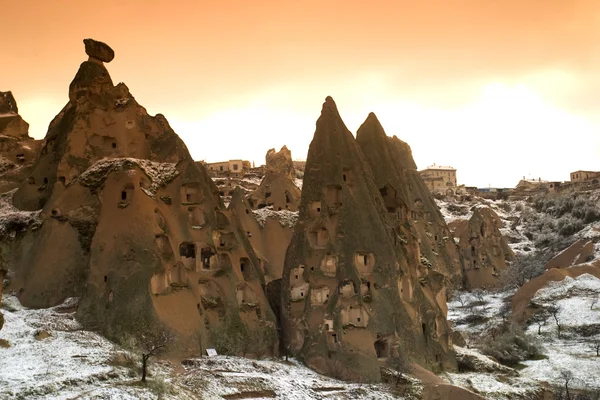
(211, 352)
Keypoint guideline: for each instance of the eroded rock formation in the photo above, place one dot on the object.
(418, 226)
(522, 307)
(277, 188)
(18, 151)
(131, 224)
(484, 250)
(349, 297)
(578, 253)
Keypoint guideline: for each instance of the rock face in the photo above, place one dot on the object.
(277, 188)
(98, 50)
(522, 308)
(2, 273)
(418, 226)
(348, 297)
(18, 151)
(280, 162)
(11, 123)
(484, 250)
(578, 253)
(131, 224)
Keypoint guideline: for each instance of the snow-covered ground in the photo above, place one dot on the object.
(218, 377)
(574, 351)
(464, 305)
(69, 363)
(74, 363)
(286, 218)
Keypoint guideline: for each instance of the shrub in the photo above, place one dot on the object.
(567, 226)
(506, 206)
(512, 347)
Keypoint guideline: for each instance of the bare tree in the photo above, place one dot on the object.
(554, 310)
(461, 298)
(149, 341)
(505, 311)
(400, 365)
(596, 346)
(540, 319)
(200, 340)
(567, 377)
(479, 296)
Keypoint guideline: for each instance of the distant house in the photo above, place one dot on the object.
(440, 179)
(531, 183)
(231, 167)
(585, 176)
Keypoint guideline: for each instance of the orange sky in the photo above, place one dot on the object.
(497, 88)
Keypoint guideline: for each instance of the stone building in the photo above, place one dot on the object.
(439, 179)
(585, 176)
(231, 167)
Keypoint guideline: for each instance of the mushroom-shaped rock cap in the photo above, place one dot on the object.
(99, 50)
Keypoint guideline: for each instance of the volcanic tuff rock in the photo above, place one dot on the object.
(418, 226)
(484, 250)
(428, 255)
(18, 151)
(98, 50)
(348, 295)
(2, 273)
(129, 223)
(280, 162)
(277, 188)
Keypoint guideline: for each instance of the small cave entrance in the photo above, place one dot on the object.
(246, 268)
(332, 341)
(424, 329)
(382, 348)
(364, 262)
(187, 252)
(347, 175)
(288, 197)
(126, 193)
(191, 193)
(315, 208)
(206, 255)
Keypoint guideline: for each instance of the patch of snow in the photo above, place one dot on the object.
(13, 219)
(215, 377)
(160, 174)
(286, 218)
(491, 386)
(71, 362)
